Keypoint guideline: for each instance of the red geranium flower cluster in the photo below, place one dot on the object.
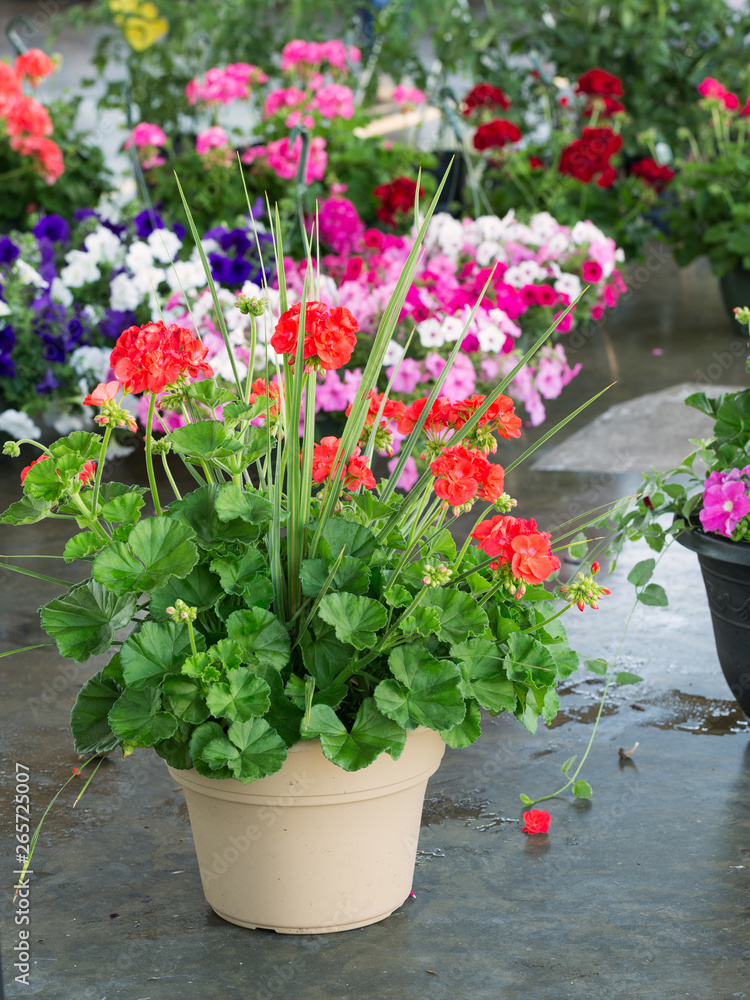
(329, 335)
(712, 90)
(148, 358)
(260, 389)
(653, 175)
(446, 417)
(497, 133)
(392, 411)
(599, 83)
(84, 475)
(463, 475)
(484, 95)
(590, 155)
(26, 121)
(396, 199)
(607, 107)
(519, 544)
(357, 472)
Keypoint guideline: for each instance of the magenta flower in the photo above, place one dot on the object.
(725, 503)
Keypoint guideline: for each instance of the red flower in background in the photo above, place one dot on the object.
(651, 173)
(535, 163)
(396, 197)
(536, 821)
(260, 389)
(34, 64)
(599, 83)
(484, 95)
(329, 334)
(84, 475)
(437, 418)
(607, 106)
(497, 133)
(148, 358)
(590, 155)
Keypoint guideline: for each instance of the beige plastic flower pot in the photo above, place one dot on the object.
(312, 849)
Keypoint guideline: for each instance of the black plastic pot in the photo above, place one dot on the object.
(725, 566)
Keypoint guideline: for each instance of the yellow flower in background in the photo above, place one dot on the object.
(141, 22)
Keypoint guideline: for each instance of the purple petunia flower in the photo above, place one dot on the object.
(8, 251)
(725, 502)
(145, 223)
(53, 228)
(48, 384)
(114, 322)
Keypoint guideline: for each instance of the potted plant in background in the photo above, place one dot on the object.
(712, 189)
(296, 631)
(704, 504)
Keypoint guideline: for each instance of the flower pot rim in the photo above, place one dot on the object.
(714, 546)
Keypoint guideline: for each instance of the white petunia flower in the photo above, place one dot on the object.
(525, 273)
(124, 294)
(80, 270)
(165, 245)
(18, 425)
(139, 256)
(430, 332)
(4, 308)
(60, 292)
(185, 276)
(104, 247)
(92, 361)
(29, 276)
(568, 284)
(393, 353)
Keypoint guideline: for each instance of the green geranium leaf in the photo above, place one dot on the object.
(176, 750)
(565, 658)
(210, 394)
(528, 715)
(371, 735)
(82, 445)
(352, 576)
(92, 732)
(398, 596)
(83, 622)
(642, 572)
(261, 637)
(159, 648)
(296, 690)
(123, 508)
(425, 692)
(550, 705)
(372, 509)
(357, 540)
(422, 621)
(243, 696)
(157, 550)
(654, 596)
(460, 615)
(323, 654)
(83, 545)
(250, 750)
(626, 677)
(202, 736)
(136, 718)
(528, 660)
(43, 483)
(466, 732)
(483, 676)
(200, 589)
(28, 510)
(283, 715)
(198, 511)
(247, 504)
(356, 619)
(206, 439)
(114, 670)
(579, 546)
(245, 576)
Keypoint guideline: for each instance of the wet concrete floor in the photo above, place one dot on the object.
(641, 892)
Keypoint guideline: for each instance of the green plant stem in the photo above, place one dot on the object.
(89, 516)
(465, 546)
(192, 638)
(100, 469)
(168, 473)
(150, 457)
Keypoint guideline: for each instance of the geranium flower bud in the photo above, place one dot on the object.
(12, 449)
